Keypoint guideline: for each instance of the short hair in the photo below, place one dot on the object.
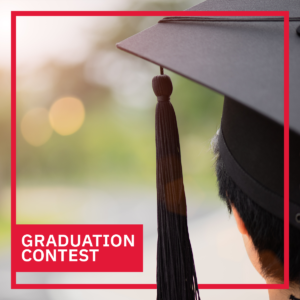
(265, 230)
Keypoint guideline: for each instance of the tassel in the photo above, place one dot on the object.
(176, 275)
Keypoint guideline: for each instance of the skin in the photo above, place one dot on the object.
(254, 258)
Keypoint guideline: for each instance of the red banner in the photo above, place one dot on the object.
(78, 248)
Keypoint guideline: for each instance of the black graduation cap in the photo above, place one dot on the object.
(243, 59)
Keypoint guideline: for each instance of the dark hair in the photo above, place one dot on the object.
(265, 229)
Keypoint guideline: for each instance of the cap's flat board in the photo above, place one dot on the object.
(292, 6)
(241, 60)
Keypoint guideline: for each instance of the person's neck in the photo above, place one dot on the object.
(284, 294)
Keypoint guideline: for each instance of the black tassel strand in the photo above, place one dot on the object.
(176, 275)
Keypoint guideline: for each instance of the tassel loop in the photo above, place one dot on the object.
(162, 86)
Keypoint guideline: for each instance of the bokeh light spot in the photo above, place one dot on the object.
(35, 127)
(66, 115)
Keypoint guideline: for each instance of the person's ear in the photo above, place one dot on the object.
(239, 222)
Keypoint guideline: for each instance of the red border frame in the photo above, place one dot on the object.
(14, 226)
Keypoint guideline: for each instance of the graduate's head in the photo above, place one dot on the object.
(243, 177)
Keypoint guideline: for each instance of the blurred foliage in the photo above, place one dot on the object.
(113, 144)
(116, 142)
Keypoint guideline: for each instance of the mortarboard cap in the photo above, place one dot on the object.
(245, 62)
(243, 59)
